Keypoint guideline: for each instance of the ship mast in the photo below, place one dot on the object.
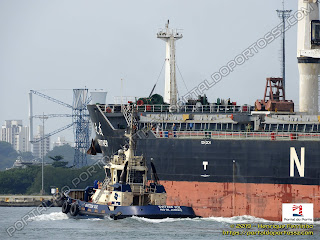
(170, 36)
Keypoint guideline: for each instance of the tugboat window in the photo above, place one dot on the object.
(315, 32)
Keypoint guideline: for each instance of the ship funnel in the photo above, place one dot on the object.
(308, 55)
(170, 36)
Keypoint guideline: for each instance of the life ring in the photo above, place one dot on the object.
(65, 207)
(74, 209)
(108, 110)
(140, 103)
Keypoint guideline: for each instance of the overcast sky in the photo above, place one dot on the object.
(56, 46)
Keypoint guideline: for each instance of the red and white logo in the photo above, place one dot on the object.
(297, 211)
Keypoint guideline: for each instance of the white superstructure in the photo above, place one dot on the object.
(170, 36)
(308, 55)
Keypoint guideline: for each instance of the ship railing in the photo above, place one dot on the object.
(193, 108)
(158, 108)
(102, 188)
(137, 188)
(274, 136)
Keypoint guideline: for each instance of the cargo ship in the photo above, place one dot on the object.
(222, 159)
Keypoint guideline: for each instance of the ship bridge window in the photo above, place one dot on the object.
(315, 32)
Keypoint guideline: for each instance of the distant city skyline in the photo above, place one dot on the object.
(55, 47)
(15, 133)
(42, 147)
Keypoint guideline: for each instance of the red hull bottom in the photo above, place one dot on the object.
(210, 199)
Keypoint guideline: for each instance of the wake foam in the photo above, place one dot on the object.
(95, 219)
(236, 219)
(239, 219)
(50, 217)
(164, 220)
(228, 220)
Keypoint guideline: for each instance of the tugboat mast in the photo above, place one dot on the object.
(131, 141)
(170, 36)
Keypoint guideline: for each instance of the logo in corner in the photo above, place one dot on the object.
(297, 211)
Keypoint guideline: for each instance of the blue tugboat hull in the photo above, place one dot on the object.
(88, 210)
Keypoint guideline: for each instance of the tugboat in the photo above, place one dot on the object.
(125, 191)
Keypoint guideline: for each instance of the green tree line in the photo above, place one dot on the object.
(29, 181)
(57, 171)
(8, 156)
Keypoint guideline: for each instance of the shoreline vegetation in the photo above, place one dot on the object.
(58, 171)
(27, 181)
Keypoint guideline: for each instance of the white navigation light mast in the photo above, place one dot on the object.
(309, 55)
(170, 36)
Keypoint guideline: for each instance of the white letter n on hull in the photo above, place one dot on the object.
(295, 160)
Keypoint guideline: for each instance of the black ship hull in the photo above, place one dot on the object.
(225, 163)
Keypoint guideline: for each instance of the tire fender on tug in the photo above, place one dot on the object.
(116, 216)
(65, 207)
(74, 209)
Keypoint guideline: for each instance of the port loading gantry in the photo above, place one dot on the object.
(80, 122)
